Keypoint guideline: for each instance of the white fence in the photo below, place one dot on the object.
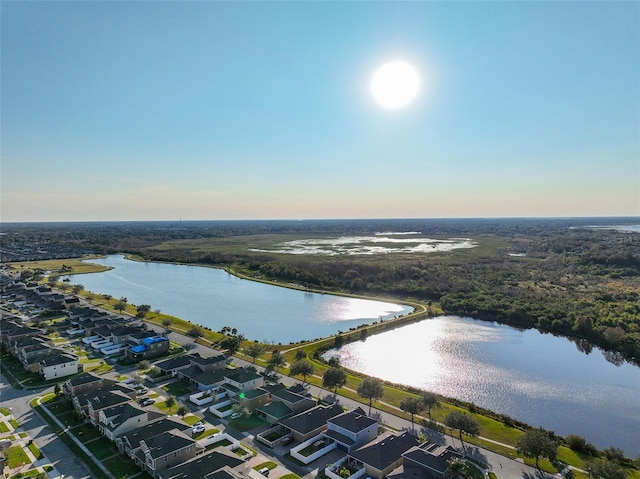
(295, 452)
(215, 409)
(333, 470)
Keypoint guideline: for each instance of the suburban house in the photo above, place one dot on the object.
(71, 301)
(242, 379)
(58, 365)
(129, 442)
(308, 424)
(98, 403)
(12, 331)
(426, 461)
(83, 383)
(82, 401)
(150, 347)
(383, 455)
(282, 402)
(165, 450)
(205, 373)
(121, 418)
(171, 366)
(218, 463)
(35, 343)
(352, 429)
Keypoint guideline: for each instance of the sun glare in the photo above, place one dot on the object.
(395, 84)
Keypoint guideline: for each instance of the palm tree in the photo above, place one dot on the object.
(457, 469)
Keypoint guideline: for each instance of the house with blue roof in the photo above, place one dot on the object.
(148, 348)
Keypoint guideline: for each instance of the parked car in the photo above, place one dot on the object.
(236, 415)
(264, 471)
(147, 402)
(199, 423)
(198, 429)
(141, 391)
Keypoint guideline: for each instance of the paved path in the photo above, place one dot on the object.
(55, 451)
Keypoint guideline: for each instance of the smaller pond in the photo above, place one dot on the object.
(213, 298)
(541, 379)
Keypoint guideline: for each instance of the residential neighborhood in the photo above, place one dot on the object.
(196, 412)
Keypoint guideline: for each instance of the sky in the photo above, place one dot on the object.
(158, 110)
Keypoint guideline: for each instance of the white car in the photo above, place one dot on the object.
(236, 415)
(198, 429)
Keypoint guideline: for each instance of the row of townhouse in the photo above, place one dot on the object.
(119, 335)
(39, 295)
(366, 453)
(116, 335)
(36, 351)
(160, 445)
(297, 420)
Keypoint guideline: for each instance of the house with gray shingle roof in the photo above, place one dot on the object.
(121, 418)
(310, 423)
(165, 450)
(426, 461)
(352, 429)
(206, 465)
(129, 442)
(83, 383)
(382, 455)
(57, 364)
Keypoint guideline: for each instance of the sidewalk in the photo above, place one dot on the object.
(23, 443)
(80, 445)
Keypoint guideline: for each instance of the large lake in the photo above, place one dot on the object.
(537, 378)
(213, 298)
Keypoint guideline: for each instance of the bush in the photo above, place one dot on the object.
(614, 454)
(580, 444)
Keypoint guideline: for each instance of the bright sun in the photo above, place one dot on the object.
(395, 84)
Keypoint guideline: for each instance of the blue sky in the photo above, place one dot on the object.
(248, 110)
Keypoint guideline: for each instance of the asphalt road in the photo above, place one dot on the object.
(57, 453)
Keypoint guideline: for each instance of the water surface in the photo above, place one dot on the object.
(538, 378)
(213, 298)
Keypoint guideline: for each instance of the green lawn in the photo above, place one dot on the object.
(207, 433)
(4, 427)
(191, 419)
(122, 467)
(16, 457)
(4, 411)
(35, 451)
(268, 465)
(245, 423)
(101, 448)
(178, 388)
